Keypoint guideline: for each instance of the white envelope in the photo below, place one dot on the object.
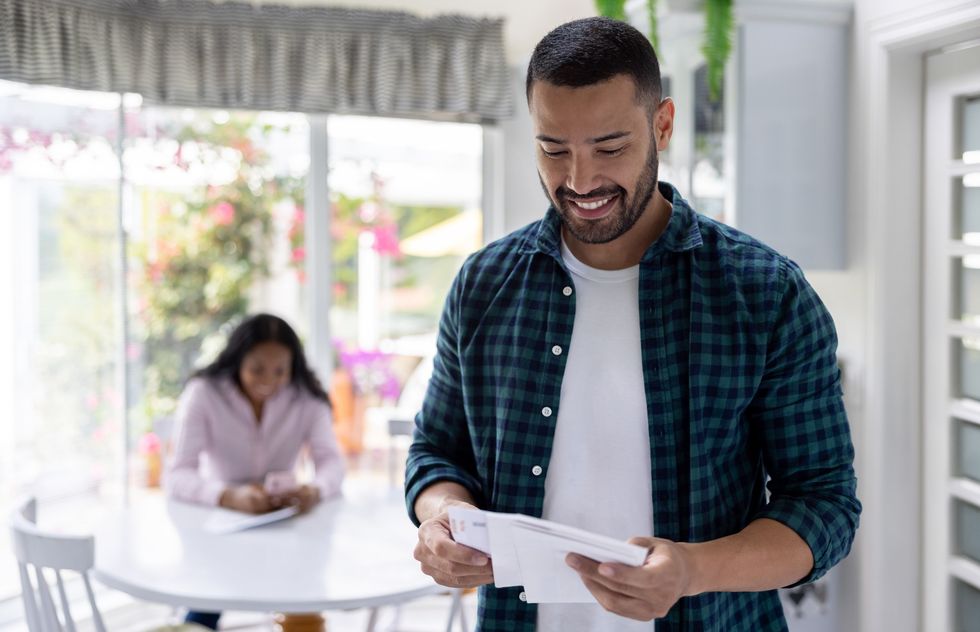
(546, 576)
(506, 569)
(530, 552)
(469, 527)
(542, 548)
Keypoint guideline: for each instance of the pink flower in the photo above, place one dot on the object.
(299, 253)
(386, 240)
(149, 444)
(222, 213)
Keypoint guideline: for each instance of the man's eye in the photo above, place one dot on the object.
(611, 152)
(553, 154)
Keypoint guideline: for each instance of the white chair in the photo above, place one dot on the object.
(36, 551)
(456, 612)
(40, 555)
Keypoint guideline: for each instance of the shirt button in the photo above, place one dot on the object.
(546, 411)
(522, 596)
(556, 350)
(567, 290)
(536, 470)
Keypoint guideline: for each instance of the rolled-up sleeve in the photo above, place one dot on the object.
(441, 447)
(798, 414)
(182, 479)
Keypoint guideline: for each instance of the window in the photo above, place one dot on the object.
(61, 385)
(214, 212)
(213, 207)
(405, 211)
(696, 161)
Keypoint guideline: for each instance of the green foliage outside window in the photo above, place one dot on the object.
(203, 250)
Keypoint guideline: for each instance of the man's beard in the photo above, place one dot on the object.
(616, 223)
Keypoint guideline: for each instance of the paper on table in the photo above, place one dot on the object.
(222, 521)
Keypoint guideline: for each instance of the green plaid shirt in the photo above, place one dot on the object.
(742, 387)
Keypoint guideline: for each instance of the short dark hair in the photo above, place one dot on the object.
(592, 50)
(252, 332)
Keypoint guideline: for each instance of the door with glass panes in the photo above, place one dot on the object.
(951, 336)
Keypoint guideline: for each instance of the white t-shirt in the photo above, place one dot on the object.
(599, 475)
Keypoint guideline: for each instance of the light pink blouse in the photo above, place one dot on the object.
(219, 444)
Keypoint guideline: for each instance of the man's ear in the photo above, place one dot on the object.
(663, 123)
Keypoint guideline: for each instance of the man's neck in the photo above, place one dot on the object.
(627, 249)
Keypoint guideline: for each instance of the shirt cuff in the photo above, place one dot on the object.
(795, 515)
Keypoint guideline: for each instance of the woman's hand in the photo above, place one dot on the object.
(248, 498)
(305, 497)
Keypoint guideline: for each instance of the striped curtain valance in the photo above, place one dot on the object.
(267, 57)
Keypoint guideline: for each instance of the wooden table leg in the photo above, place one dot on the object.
(313, 622)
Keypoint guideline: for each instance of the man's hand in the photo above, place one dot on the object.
(248, 498)
(305, 497)
(449, 563)
(645, 592)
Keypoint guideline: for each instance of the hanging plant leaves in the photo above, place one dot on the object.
(717, 45)
(615, 9)
(652, 14)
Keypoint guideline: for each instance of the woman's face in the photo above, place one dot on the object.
(265, 369)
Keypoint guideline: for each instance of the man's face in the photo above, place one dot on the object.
(596, 154)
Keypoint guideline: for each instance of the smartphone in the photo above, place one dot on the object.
(278, 483)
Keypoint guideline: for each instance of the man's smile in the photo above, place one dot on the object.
(593, 209)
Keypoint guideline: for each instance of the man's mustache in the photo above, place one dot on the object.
(564, 193)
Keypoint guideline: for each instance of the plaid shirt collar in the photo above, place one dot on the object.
(682, 232)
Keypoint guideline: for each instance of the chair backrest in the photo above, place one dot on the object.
(41, 555)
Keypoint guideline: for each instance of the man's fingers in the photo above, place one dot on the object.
(457, 581)
(625, 580)
(621, 604)
(425, 556)
(437, 538)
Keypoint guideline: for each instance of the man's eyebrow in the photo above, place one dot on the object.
(594, 141)
(613, 136)
(550, 139)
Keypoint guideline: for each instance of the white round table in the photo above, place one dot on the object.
(346, 553)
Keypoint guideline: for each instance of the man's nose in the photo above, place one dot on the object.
(582, 175)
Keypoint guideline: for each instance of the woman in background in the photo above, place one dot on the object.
(243, 420)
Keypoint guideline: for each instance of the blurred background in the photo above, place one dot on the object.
(136, 227)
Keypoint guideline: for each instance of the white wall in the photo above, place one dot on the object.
(524, 200)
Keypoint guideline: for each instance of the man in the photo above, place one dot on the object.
(629, 367)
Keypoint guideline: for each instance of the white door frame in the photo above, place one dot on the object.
(890, 460)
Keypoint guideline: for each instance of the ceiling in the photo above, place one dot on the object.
(526, 21)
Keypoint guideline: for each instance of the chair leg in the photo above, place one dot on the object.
(456, 606)
(372, 619)
(396, 619)
(464, 625)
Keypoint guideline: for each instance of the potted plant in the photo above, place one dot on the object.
(719, 25)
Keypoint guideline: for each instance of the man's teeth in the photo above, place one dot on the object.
(591, 206)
